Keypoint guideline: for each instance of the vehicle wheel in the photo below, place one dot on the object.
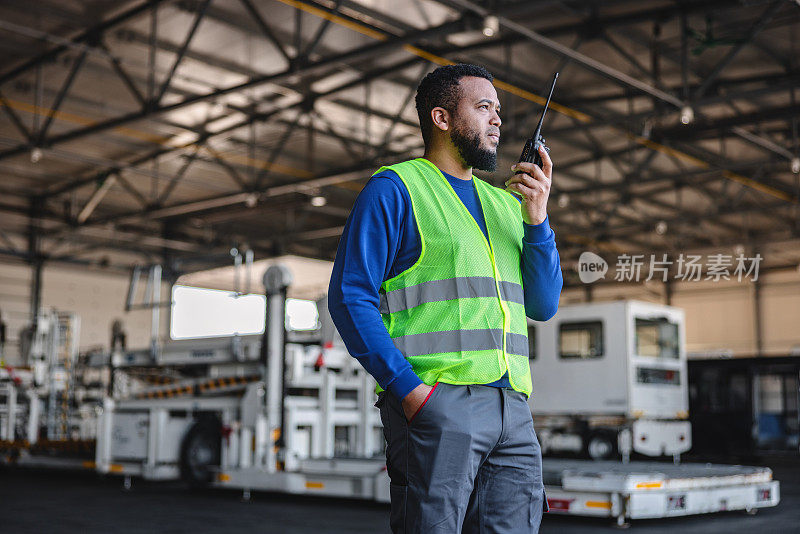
(601, 445)
(200, 451)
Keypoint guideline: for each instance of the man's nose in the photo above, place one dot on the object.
(495, 121)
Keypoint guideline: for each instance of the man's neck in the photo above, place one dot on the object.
(446, 162)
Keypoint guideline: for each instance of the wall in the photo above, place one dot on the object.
(720, 316)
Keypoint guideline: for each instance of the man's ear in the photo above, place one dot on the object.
(441, 118)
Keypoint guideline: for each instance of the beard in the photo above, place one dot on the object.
(468, 144)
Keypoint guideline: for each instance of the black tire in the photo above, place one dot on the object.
(201, 452)
(601, 445)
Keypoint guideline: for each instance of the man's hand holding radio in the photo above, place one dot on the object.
(532, 185)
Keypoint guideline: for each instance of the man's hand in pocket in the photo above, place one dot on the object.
(412, 402)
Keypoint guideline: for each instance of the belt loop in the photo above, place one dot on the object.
(469, 390)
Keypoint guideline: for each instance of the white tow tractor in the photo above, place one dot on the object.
(278, 412)
(610, 378)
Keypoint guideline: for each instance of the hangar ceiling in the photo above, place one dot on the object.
(172, 131)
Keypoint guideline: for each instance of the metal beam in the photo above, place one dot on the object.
(14, 118)
(277, 149)
(266, 30)
(345, 175)
(84, 37)
(770, 84)
(189, 36)
(323, 27)
(733, 52)
(581, 59)
(629, 57)
(227, 167)
(369, 51)
(167, 191)
(76, 66)
(346, 143)
(236, 198)
(723, 124)
(124, 76)
(632, 34)
(96, 198)
(397, 116)
(132, 191)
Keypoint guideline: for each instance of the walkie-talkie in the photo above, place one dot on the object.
(531, 151)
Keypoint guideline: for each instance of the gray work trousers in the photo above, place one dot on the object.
(467, 462)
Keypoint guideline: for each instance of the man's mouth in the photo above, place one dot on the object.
(495, 136)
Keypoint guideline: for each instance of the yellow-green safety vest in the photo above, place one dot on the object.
(458, 313)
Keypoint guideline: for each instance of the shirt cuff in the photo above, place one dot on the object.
(403, 384)
(537, 233)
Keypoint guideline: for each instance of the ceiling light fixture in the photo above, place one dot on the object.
(318, 201)
(491, 26)
(687, 114)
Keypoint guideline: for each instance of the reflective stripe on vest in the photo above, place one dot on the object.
(452, 288)
(460, 340)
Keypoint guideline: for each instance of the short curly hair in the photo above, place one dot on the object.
(439, 89)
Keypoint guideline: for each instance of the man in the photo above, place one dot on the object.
(435, 273)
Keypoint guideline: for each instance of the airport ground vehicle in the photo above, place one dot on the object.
(48, 405)
(610, 378)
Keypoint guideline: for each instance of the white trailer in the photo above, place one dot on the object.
(647, 490)
(610, 377)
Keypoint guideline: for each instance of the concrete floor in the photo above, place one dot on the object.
(37, 501)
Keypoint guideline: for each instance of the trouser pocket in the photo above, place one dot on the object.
(424, 403)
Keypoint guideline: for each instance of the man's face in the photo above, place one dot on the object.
(476, 124)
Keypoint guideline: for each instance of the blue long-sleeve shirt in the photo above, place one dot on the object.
(381, 240)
